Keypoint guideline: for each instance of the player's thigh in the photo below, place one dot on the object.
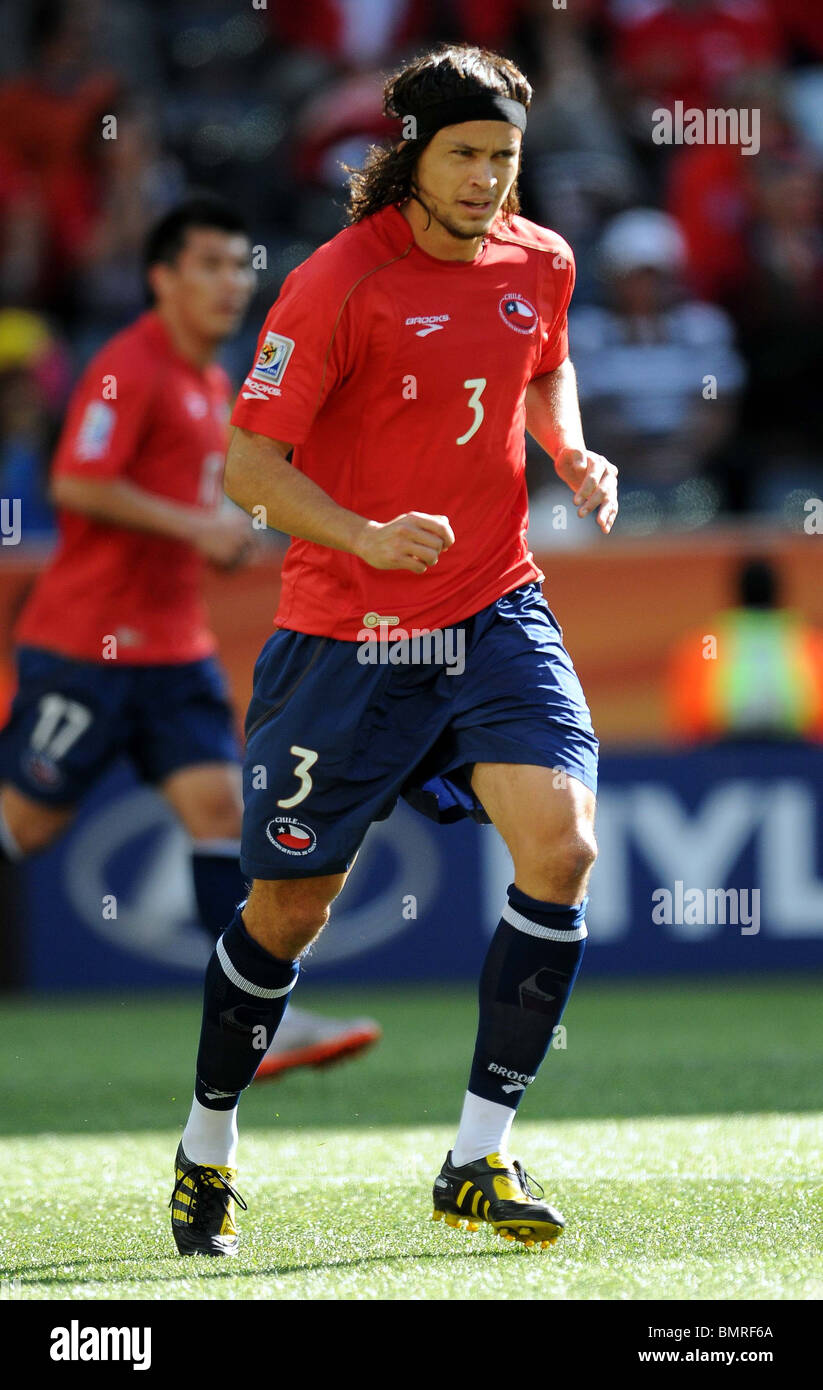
(33, 824)
(65, 727)
(546, 818)
(286, 915)
(208, 799)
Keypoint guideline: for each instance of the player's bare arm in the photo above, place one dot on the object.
(225, 540)
(553, 419)
(258, 473)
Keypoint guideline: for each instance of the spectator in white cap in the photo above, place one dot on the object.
(658, 373)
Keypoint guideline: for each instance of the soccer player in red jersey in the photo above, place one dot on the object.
(382, 426)
(114, 649)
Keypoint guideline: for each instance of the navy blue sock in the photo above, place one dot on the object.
(525, 983)
(218, 883)
(245, 997)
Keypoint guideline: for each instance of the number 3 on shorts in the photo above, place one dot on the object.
(306, 758)
(477, 386)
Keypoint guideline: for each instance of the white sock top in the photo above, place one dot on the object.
(210, 1136)
(485, 1127)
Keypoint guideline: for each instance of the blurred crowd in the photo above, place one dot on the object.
(697, 330)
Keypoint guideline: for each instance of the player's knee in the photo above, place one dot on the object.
(32, 827)
(214, 817)
(304, 914)
(561, 866)
(286, 916)
(30, 836)
(575, 854)
(307, 929)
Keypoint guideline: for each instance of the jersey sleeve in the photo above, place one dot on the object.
(303, 352)
(558, 283)
(106, 420)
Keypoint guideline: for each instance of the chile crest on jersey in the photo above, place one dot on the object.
(518, 313)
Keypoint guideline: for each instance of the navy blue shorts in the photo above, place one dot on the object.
(332, 740)
(71, 719)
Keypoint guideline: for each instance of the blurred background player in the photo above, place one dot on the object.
(754, 672)
(114, 650)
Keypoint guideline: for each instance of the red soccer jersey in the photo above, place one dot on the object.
(143, 413)
(401, 381)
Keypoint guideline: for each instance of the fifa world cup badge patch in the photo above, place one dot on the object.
(273, 359)
(96, 429)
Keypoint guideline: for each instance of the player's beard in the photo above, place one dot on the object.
(462, 233)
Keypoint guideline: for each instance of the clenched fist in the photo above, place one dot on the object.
(412, 541)
(225, 539)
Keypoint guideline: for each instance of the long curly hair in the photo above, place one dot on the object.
(453, 70)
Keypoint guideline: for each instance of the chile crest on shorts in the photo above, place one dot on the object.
(291, 836)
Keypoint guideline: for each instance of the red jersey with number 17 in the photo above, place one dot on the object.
(143, 413)
(401, 381)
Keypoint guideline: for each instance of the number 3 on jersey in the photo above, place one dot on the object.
(306, 758)
(476, 385)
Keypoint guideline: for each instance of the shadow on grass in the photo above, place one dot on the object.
(174, 1269)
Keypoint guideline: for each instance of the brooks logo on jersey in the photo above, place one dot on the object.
(432, 323)
(260, 392)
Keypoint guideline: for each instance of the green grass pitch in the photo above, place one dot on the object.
(681, 1133)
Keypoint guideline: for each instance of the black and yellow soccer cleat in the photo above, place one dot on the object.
(496, 1189)
(203, 1208)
